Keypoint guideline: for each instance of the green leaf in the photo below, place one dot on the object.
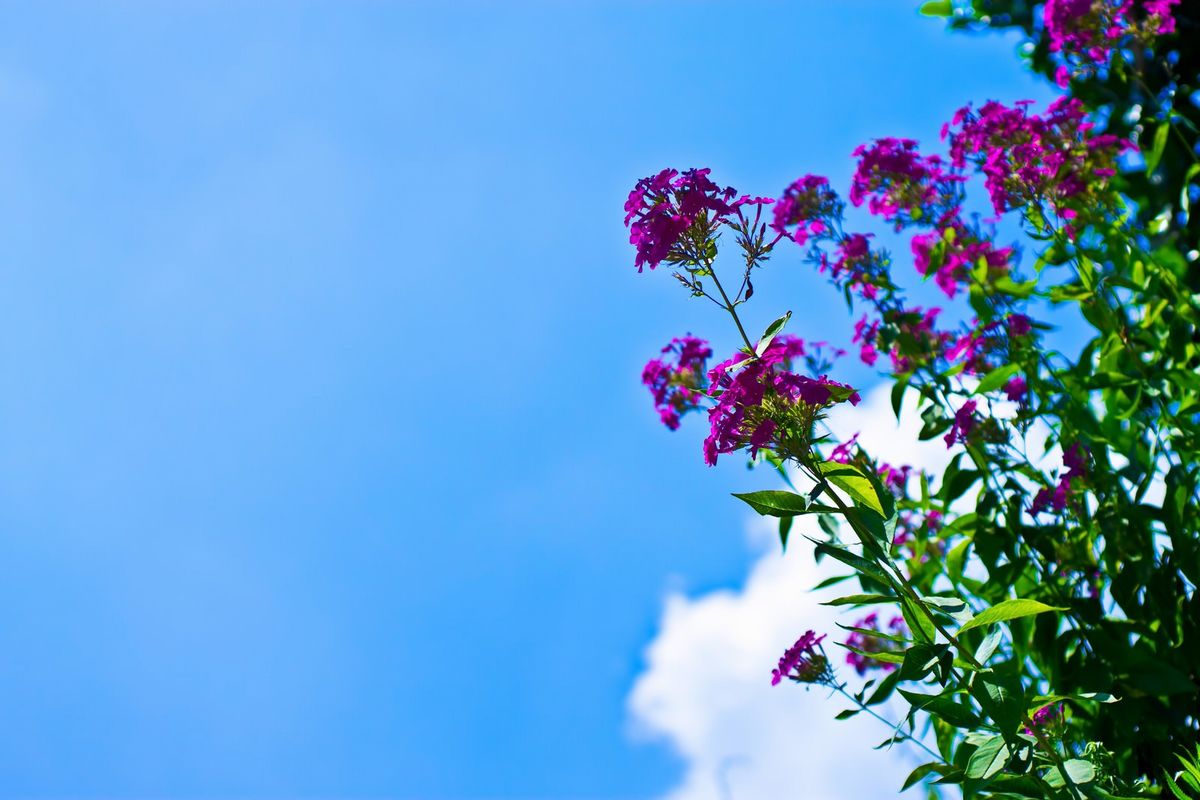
(1000, 697)
(989, 645)
(996, 378)
(882, 655)
(952, 606)
(776, 503)
(854, 483)
(1043, 700)
(956, 714)
(955, 559)
(1006, 610)
(1185, 194)
(916, 620)
(988, 759)
(1160, 144)
(1011, 287)
(785, 527)
(884, 690)
(860, 600)
(832, 581)
(1078, 770)
(920, 772)
(769, 334)
(956, 486)
(875, 633)
(1174, 787)
(859, 563)
(898, 389)
(937, 8)
(920, 659)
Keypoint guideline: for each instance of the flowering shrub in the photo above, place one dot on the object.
(1043, 626)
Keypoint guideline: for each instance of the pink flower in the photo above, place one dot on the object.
(805, 209)
(965, 421)
(1085, 34)
(1019, 325)
(1015, 388)
(953, 252)
(1159, 15)
(1050, 716)
(1075, 459)
(677, 386)
(901, 185)
(802, 662)
(868, 644)
(895, 478)
(865, 331)
(919, 342)
(741, 384)
(762, 435)
(841, 453)
(1027, 158)
(661, 208)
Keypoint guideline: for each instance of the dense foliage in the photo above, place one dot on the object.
(1033, 607)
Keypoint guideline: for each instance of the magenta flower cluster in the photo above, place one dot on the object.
(842, 453)
(965, 421)
(867, 644)
(1086, 33)
(661, 208)
(1016, 388)
(1075, 459)
(909, 523)
(678, 384)
(1053, 158)
(1047, 717)
(895, 477)
(856, 266)
(952, 252)
(742, 385)
(802, 662)
(740, 388)
(805, 208)
(918, 341)
(902, 186)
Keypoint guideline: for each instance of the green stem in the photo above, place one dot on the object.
(895, 728)
(968, 656)
(732, 311)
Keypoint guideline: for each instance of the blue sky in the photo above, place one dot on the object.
(324, 466)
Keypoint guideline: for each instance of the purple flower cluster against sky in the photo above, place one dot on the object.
(661, 208)
(866, 644)
(1075, 460)
(677, 386)
(1085, 34)
(802, 662)
(742, 384)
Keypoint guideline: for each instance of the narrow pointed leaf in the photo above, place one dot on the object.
(1006, 610)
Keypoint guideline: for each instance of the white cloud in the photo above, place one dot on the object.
(706, 688)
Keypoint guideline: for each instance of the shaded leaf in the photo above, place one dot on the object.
(988, 759)
(852, 559)
(956, 714)
(860, 600)
(1078, 770)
